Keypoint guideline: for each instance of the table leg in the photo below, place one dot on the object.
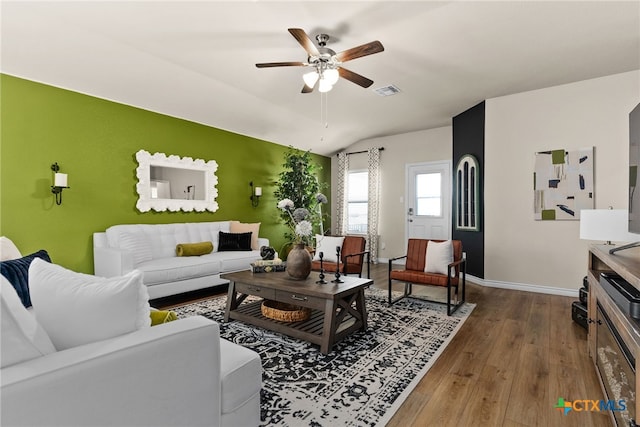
(329, 326)
(232, 304)
(362, 309)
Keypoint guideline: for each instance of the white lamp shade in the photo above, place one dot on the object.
(331, 76)
(310, 78)
(258, 191)
(60, 180)
(324, 86)
(606, 224)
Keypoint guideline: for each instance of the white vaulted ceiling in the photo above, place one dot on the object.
(196, 60)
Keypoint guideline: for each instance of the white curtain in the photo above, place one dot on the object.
(374, 198)
(341, 194)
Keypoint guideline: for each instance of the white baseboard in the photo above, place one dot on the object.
(510, 285)
(524, 287)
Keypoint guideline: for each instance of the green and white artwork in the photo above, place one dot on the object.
(563, 184)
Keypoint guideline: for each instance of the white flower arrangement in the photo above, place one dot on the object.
(299, 222)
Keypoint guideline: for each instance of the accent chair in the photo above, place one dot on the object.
(417, 272)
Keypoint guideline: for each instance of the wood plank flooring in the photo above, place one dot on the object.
(510, 362)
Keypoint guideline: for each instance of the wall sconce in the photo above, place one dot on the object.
(59, 183)
(255, 195)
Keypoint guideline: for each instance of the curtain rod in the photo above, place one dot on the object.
(364, 151)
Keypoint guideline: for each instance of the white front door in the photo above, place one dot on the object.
(428, 204)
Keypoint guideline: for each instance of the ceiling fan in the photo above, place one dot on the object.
(326, 64)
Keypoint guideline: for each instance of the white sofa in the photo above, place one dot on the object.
(175, 374)
(179, 373)
(151, 248)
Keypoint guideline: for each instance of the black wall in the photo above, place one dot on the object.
(468, 138)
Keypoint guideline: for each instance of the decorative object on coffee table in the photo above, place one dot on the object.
(284, 312)
(337, 279)
(299, 262)
(267, 252)
(321, 275)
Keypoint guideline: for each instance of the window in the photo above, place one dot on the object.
(429, 194)
(357, 202)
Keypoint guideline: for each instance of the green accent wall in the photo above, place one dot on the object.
(94, 141)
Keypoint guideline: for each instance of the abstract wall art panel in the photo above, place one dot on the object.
(563, 184)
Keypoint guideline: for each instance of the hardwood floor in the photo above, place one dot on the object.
(513, 358)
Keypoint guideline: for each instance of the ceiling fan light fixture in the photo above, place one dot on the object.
(310, 78)
(331, 75)
(324, 86)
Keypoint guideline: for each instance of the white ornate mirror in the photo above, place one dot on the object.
(173, 183)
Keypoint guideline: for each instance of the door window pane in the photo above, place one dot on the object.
(429, 194)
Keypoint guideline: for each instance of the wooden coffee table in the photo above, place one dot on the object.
(337, 309)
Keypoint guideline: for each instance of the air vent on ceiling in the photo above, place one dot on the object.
(387, 90)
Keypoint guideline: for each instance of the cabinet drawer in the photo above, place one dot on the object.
(260, 291)
(301, 300)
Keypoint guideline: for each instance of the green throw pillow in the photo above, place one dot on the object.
(194, 249)
(160, 316)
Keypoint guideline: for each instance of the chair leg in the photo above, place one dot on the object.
(393, 301)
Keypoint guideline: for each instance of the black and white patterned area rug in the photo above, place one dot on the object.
(362, 381)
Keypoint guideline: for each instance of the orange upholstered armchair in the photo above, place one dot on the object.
(441, 267)
(352, 257)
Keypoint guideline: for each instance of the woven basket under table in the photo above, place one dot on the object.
(284, 312)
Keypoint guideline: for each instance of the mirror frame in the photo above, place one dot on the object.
(143, 187)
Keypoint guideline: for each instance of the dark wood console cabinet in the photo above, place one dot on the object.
(626, 264)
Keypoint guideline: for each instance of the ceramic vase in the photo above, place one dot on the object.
(299, 262)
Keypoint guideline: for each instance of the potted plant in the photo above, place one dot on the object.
(298, 184)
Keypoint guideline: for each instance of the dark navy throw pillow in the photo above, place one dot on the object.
(17, 272)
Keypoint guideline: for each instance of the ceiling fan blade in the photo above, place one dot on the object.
(355, 77)
(281, 64)
(306, 89)
(304, 41)
(360, 51)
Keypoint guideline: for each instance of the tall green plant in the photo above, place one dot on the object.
(298, 182)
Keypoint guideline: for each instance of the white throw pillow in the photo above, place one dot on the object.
(77, 309)
(327, 245)
(439, 256)
(22, 337)
(8, 250)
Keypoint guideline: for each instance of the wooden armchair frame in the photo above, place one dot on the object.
(412, 277)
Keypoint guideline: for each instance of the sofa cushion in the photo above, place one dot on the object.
(236, 261)
(77, 309)
(234, 241)
(17, 273)
(240, 375)
(327, 245)
(137, 244)
(207, 231)
(8, 250)
(254, 229)
(172, 269)
(22, 337)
